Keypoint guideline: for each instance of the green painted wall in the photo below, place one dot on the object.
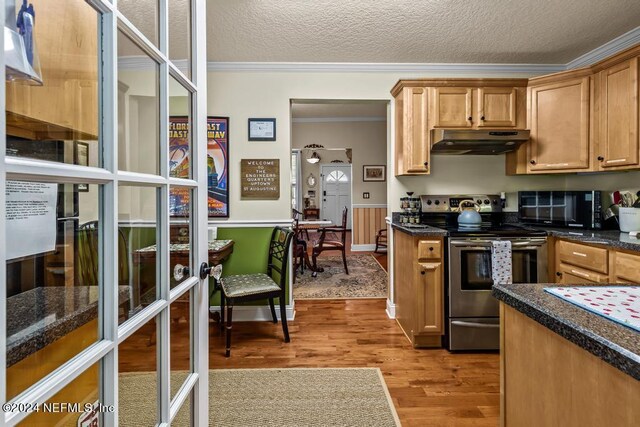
(249, 254)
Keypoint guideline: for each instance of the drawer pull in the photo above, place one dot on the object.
(579, 254)
(580, 273)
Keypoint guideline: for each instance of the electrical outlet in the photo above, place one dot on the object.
(365, 195)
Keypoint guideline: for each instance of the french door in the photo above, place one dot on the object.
(102, 323)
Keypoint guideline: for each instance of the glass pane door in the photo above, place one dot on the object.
(103, 189)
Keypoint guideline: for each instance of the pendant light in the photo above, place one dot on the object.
(314, 158)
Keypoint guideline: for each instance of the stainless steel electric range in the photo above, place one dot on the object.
(472, 314)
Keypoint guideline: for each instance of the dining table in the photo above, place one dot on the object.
(179, 254)
(305, 226)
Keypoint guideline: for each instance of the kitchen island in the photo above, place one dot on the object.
(564, 365)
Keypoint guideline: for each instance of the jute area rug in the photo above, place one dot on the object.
(366, 279)
(292, 397)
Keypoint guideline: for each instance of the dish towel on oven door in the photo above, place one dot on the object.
(501, 262)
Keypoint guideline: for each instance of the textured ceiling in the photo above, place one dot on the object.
(376, 110)
(423, 31)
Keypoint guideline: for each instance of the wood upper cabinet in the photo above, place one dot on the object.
(66, 105)
(559, 119)
(497, 107)
(452, 107)
(413, 148)
(480, 107)
(618, 142)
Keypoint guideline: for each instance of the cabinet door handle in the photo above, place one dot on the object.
(533, 162)
(558, 274)
(470, 118)
(426, 164)
(579, 254)
(600, 158)
(423, 272)
(482, 118)
(431, 248)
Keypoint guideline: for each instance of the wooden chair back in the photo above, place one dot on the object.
(279, 255)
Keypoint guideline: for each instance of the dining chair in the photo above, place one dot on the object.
(338, 244)
(257, 286)
(381, 240)
(300, 256)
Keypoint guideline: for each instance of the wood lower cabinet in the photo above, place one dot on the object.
(546, 380)
(618, 142)
(625, 267)
(578, 263)
(413, 147)
(419, 288)
(559, 120)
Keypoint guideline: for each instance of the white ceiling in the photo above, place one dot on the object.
(414, 31)
(339, 109)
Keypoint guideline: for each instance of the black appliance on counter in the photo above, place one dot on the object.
(471, 313)
(576, 209)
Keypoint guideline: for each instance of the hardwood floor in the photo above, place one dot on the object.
(428, 387)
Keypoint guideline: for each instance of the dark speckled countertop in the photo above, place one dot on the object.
(39, 316)
(614, 343)
(611, 238)
(419, 229)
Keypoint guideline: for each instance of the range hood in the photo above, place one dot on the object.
(21, 57)
(477, 142)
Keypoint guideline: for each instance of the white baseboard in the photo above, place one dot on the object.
(391, 310)
(363, 248)
(254, 313)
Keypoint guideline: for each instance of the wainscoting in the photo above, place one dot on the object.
(367, 220)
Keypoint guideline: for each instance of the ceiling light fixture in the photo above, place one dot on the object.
(314, 158)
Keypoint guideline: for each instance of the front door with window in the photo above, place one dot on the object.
(336, 193)
(100, 318)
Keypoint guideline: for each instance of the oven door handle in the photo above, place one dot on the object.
(475, 324)
(487, 243)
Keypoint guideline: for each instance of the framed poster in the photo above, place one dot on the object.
(262, 129)
(217, 165)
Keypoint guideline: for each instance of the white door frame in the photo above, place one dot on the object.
(105, 350)
(329, 165)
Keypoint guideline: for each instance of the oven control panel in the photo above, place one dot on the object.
(486, 202)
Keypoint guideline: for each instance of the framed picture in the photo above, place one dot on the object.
(374, 173)
(217, 165)
(81, 157)
(262, 129)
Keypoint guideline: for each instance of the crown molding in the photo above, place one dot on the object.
(338, 119)
(347, 67)
(608, 49)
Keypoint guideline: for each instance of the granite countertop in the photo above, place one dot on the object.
(38, 317)
(214, 245)
(419, 229)
(611, 238)
(616, 344)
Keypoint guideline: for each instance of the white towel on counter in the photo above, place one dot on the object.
(501, 262)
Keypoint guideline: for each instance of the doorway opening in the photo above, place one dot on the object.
(339, 159)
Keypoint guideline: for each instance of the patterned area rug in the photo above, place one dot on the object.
(290, 397)
(366, 279)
